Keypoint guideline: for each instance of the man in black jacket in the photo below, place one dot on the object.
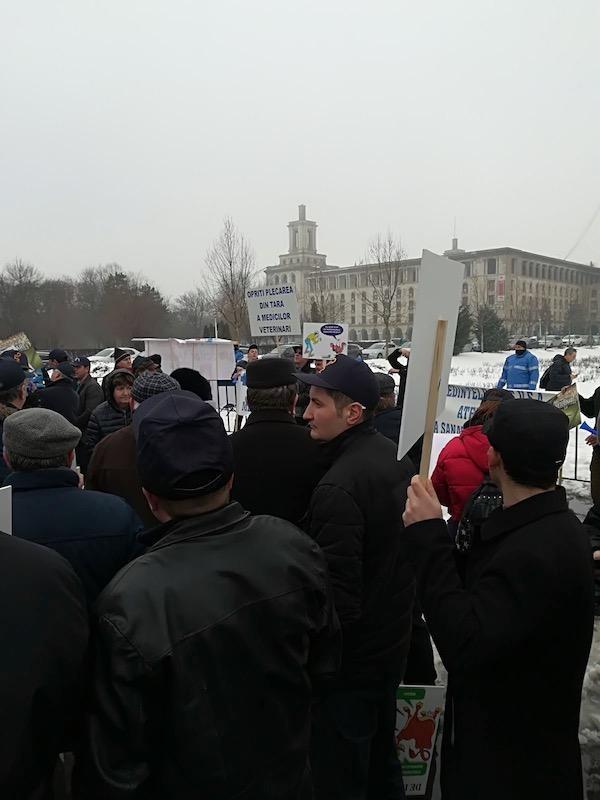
(60, 394)
(88, 391)
(44, 628)
(209, 645)
(277, 464)
(95, 532)
(515, 636)
(355, 516)
(559, 371)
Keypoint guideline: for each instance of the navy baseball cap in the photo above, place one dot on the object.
(81, 361)
(352, 378)
(11, 374)
(183, 450)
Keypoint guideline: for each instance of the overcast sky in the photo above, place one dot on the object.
(130, 128)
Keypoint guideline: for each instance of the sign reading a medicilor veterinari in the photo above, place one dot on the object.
(273, 311)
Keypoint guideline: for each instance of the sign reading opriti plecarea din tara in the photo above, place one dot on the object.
(273, 311)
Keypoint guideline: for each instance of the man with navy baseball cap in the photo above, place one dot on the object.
(355, 516)
(210, 645)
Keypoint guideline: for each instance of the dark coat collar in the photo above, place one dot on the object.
(179, 530)
(56, 478)
(337, 446)
(505, 520)
(270, 415)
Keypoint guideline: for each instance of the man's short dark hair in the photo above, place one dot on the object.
(526, 476)
(342, 400)
(570, 350)
(277, 397)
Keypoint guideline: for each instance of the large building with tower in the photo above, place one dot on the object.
(533, 293)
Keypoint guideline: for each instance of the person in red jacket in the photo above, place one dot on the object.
(463, 463)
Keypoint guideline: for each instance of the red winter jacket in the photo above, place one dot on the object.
(460, 469)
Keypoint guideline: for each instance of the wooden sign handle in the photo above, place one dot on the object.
(432, 398)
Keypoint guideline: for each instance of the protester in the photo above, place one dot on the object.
(208, 647)
(60, 394)
(590, 407)
(157, 359)
(114, 413)
(520, 371)
(44, 632)
(400, 369)
(388, 416)
(515, 636)
(559, 373)
(56, 357)
(13, 394)
(113, 467)
(463, 462)
(355, 516)
(88, 391)
(237, 353)
(143, 364)
(302, 367)
(276, 463)
(252, 353)
(192, 381)
(95, 532)
(320, 364)
(122, 359)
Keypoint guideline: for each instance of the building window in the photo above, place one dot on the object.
(276, 280)
(293, 277)
(523, 268)
(465, 288)
(375, 279)
(353, 281)
(467, 269)
(353, 320)
(513, 265)
(491, 266)
(342, 282)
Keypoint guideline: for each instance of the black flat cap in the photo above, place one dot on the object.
(270, 372)
(387, 385)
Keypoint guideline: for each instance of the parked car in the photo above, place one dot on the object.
(575, 340)
(107, 355)
(287, 350)
(552, 340)
(377, 349)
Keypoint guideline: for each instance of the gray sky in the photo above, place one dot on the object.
(130, 128)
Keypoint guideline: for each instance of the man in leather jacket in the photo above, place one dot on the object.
(210, 646)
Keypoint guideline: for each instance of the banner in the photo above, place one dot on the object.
(273, 311)
(419, 712)
(463, 401)
(324, 339)
(213, 358)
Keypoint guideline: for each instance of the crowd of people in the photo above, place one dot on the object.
(191, 614)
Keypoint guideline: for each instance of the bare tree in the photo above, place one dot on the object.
(324, 306)
(231, 272)
(190, 313)
(383, 273)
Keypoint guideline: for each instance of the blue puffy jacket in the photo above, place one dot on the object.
(520, 372)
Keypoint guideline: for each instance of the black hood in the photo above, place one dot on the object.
(108, 383)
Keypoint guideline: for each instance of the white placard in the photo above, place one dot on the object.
(273, 311)
(324, 339)
(438, 297)
(6, 509)
(213, 358)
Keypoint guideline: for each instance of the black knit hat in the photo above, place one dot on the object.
(120, 355)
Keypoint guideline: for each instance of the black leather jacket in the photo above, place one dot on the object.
(208, 648)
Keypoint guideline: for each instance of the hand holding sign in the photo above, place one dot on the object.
(422, 503)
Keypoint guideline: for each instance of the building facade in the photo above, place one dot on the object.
(532, 293)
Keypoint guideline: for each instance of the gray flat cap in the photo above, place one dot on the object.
(39, 433)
